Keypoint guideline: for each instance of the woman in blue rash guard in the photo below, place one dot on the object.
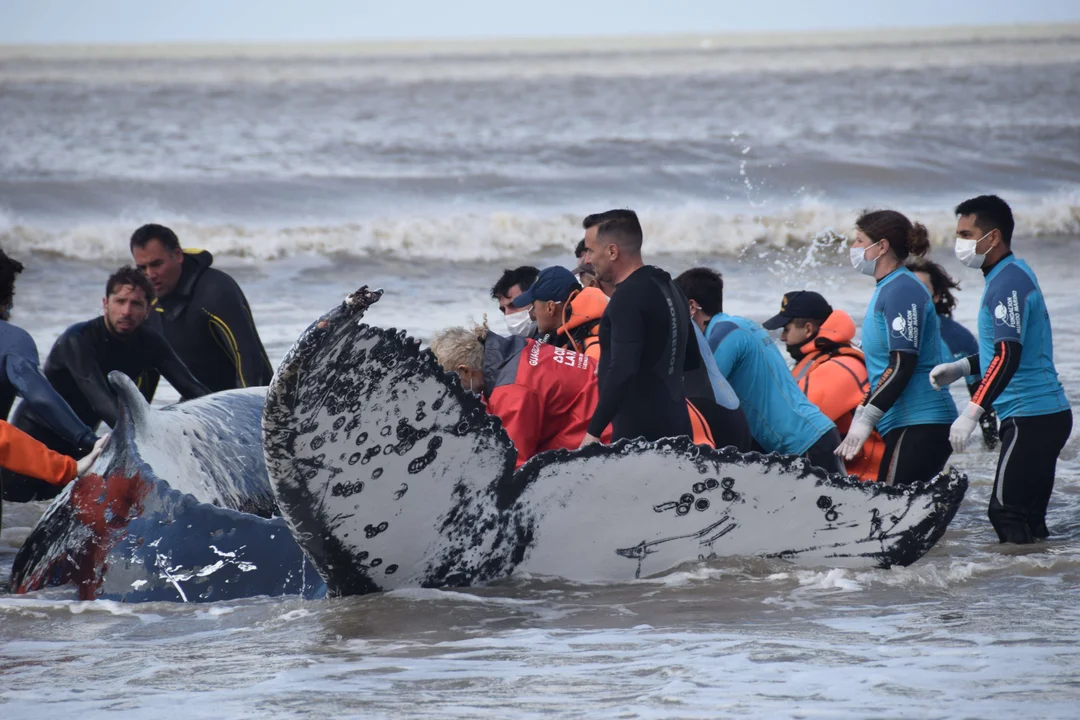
(957, 341)
(901, 339)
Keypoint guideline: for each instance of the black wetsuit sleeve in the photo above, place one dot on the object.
(1002, 367)
(46, 403)
(233, 327)
(172, 368)
(79, 359)
(626, 347)
(893, 381)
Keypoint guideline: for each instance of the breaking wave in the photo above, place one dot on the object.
(477, 236)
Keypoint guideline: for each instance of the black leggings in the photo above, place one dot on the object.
(1025, 475)
(915, 453)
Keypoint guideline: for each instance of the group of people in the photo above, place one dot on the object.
(619, 349)
(172, 315)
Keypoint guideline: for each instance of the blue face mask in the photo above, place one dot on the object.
(859, 261)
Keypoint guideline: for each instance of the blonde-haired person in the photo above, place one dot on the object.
(901, 341)
(544, 396)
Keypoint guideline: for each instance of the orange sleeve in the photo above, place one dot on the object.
(23, 454)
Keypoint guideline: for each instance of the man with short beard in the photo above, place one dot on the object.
(828, 369)
(81, 359)
(645, 336)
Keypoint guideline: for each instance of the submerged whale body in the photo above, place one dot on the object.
(390, 475)
(178, 507)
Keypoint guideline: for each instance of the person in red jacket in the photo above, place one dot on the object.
(829, 370)
(544, 395)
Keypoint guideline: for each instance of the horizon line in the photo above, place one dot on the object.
(571, 41)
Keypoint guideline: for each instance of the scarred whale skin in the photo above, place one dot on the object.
(178, 507)
(391, 475)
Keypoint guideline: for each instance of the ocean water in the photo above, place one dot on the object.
(425, 170)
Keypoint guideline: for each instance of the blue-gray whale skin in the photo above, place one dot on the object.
(178, 507)
(390, 475)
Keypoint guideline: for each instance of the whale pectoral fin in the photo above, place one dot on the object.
(355, 417)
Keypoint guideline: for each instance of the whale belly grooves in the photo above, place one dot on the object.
(391, 475)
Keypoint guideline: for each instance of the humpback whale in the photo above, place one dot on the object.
(178, 507)
(365, 467)
(391, 475)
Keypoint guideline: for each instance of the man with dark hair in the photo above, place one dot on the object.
(1020, 381)
(829, 370)
(509, 285)
(79, 364)
(204, 314)
(644, 337)
(781, 418)
(565, 314)
(20, 375)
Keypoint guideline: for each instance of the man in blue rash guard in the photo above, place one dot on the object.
(781, 417)
(902, 344)
(20, 374)
(1016, 356)
(957, 340)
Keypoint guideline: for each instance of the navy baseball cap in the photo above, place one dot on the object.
(799, 304)
(554, 283)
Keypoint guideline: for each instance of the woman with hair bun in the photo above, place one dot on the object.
(901, 339)
(957, 341)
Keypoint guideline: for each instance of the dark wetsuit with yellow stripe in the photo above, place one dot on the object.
(208, 322)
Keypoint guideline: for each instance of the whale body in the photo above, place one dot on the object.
(178, 507)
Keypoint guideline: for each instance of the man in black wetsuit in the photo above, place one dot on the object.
(20, 375)
(644, 335)
(204, 314)
(81, 359)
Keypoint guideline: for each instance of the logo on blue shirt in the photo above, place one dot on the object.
(1008, 312)
(907, 327)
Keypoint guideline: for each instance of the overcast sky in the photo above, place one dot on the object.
(149, 21)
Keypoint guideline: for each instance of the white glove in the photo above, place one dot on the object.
(866, 417)
(84, 463)
(963, 426)
(946, 374)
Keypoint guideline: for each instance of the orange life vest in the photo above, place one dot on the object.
(833, 375)
(581, 320)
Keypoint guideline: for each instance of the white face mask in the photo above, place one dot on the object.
(520, 324)
(965, 252)
(859, 261)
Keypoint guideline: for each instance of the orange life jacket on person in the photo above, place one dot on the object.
(581, 321)
(702, 433)
(833, 375)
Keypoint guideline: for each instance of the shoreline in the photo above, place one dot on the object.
(599, 45)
